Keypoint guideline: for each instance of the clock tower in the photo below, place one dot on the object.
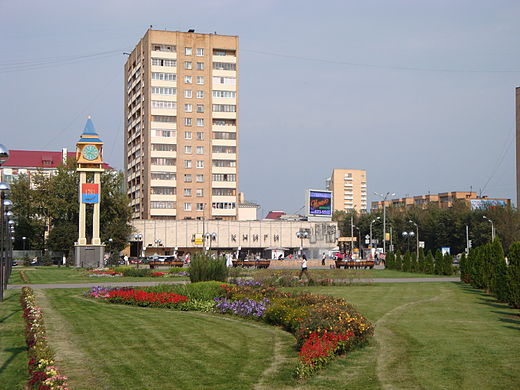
(89, 157)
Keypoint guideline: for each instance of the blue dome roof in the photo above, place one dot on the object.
(89, 132)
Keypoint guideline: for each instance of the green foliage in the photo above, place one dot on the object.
(464, 271)
(407, 262)
(203, 291)
(513, 276)
(429, 264)
(421, 263)
(390, 261)
(438, 265)
(131, 271)
(204, 268)
(447, 264)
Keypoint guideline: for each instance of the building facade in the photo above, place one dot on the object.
(181, 126)
(349, 189)
(517, 104)
(443, 200)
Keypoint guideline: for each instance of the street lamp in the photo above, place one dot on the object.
(385, 196)
(23, 240)
(417, 239)
(139, 237)
(302, 235)
(407, 236)
(371, 243)
(359, 242)
(4, 232)
(492, 228)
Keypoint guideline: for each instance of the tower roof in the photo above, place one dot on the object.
(89, 132)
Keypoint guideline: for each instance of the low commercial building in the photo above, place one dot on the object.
(443, 200)
(267, 239)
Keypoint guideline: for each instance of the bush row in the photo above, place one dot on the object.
(438, 265)
(43, 374)
(204, 268)
(487, 268)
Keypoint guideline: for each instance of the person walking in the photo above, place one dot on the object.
(323, 258)
(303, 262)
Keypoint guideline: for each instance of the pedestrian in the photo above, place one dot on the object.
(126, 259)
(323, 258)
(304, 267)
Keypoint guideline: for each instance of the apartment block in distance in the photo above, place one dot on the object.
(181, 126)
(349, 189)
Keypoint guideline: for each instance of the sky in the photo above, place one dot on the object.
(420, 94)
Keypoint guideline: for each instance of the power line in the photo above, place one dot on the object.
(506, 148)
(379, 66)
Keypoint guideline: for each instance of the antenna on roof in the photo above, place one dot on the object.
(191, 30)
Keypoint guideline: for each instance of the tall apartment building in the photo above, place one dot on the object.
(349, 189)
(181, 114)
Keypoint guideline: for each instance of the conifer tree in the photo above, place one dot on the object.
(437, 267)
(513, 275)
(421, 265)
(447, 268)
(407, 262)
(429, 263)
(463, 267)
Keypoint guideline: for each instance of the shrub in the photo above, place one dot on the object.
(513, 276)
(202, 291)
(26, 261)
(204, 268)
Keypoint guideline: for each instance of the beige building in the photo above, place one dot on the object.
(443, 200)
(349, 189)
(181, 114)
(167, 237)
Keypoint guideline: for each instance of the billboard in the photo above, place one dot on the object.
(319, 203)
(89, 193)
(482, 204)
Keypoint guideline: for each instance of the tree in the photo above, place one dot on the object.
(421, 265)
(438, 265)
(447, 267)
(499, 270)
(429, 263)
(513, 276)
(407, 263)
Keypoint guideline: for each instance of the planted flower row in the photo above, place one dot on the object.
(43, 374)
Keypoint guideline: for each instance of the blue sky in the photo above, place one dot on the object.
(418, 93)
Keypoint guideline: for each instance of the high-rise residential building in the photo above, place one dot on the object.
(349, 189)
(181, 126)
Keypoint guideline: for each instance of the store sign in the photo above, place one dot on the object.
(89, 193)
(320, 203)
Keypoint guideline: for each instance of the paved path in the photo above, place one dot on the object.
(122, 284)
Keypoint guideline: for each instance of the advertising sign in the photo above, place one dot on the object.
(89, 193)
(320, 203)
(482, 204)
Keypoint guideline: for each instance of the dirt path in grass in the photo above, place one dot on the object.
(69, 357)
(393, 360)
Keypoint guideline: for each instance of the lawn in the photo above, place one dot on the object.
(13, 353)
(53, 274)
(428, 336)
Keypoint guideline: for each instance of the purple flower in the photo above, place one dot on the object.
(243, 307)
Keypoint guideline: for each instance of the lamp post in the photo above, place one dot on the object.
(301, 235)
(407, 236)
(417, 239)
(384, 196)
(492, 228)
(4, 235)
(208, 238)
(23, 240)
(371, 243)
(139, 237)
(359, 242)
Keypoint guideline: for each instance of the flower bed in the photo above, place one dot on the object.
(104, 273)
(143, 298)
(43, 374)
(158, 274)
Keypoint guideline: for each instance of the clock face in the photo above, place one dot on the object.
(90, 152)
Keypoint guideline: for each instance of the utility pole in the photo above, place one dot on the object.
(351, 235)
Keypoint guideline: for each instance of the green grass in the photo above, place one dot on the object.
(13, 351)
(53, 274)
(428, 336)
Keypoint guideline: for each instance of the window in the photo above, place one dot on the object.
(200, 178)
(200, 122)
(163, 190)
(162, 205)
(224, 163)
(188, 108)
(200, 206)
(188, 93)
(164, 118)
(188, 65)
(199, 192)
(187, 150)
(223, 205)
(224, 66)
(200, 108)
(224, 177)
(163, 161)
(187, 135)
(200, 136)
(224, 122)
(187, 192)
(164, 76)
(224, 108)
(167, 48)
(224, 94)
(200, 80)
(223, 191)
(187, 178)
(164, 176)
(223, 52)
(163, 133)
(164, 147)
(187, 206)
(187, 79)
(164, 62)
(224, 149)
(200, 164)
(188, 51)
(163, 104)
(224, 80)
(200, 149)
(200, 65)
(224, 135)
(188, 121)
(164, 90)
(187, 163)
(200, 51)
(200, 94)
